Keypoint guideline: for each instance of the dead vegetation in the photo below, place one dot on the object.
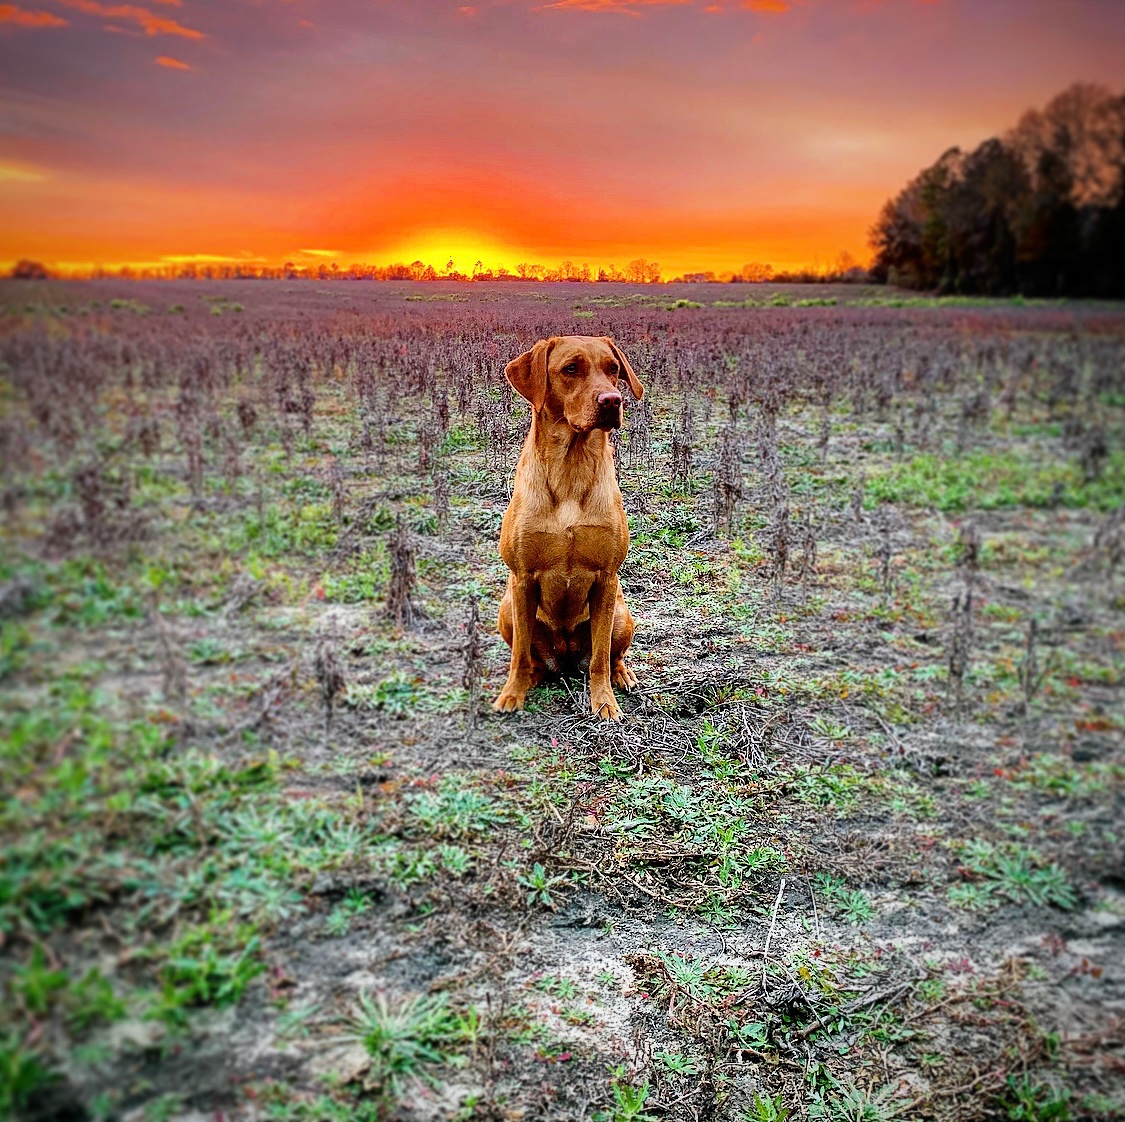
(853, 854)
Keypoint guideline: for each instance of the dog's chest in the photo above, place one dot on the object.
(573, 538)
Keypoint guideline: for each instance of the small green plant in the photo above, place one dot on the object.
(931, 990)
(198, 973)
(751, 1034)
(557, 987)
(407, 1040)
(1028, 1101)
(971, 897)
(36, 985)
(850, 904)
(455, 860)
(14, 645)
(678, 1063)
(830, 730)
(22, 1073)
(396, 695)
(540, 885)
(164, 1107)
(767, 1108)
(837, 1101)
(692, 976)
(837, 786)
(409, 866)
(1018, 873)
(455, 810)
(339, 921)
(628, 1103)
(92, 1000)
(210, 651)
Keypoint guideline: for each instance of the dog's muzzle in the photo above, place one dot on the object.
(609, 410)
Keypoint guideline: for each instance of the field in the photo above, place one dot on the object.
(855, 853)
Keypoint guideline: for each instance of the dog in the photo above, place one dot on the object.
(564, 534)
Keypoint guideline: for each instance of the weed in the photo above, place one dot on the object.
(396, 695)
(838, 786)
(454, 860)
(35, 984)
(355, 904)
(767, 1108)
(400, 608)
(165, 1107)
(1029, 1101)
(91, 1001)
(540, 884)
(972, 897)
(628, 1103)
(330, 678)
(1019, 873)
(22, 1073)
(851, 905)
(678, 1063)
(834, 1100)
(406, 1041)
(455, 810)
(197, 973)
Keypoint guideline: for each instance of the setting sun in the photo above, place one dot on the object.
(465, 248)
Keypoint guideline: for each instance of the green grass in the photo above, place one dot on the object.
(991, 480)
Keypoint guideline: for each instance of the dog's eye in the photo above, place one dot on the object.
(570, 368)
(614, 369)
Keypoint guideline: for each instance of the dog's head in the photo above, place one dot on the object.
(574, 378)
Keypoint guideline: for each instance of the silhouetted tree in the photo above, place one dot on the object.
(1037, 212)
(29, 270)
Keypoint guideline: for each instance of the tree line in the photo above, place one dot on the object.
(639, 271)
(1039, 211)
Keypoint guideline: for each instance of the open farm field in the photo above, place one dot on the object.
(855, 853)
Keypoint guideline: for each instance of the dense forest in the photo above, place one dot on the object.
(1038, 211)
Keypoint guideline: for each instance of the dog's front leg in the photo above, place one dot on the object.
(524, 591)
(603, 600)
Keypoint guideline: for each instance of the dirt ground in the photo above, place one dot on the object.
(855, 852)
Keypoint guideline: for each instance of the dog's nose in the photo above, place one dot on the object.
(611, 399)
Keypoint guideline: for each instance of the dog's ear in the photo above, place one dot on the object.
(626, 369)
(528, 373)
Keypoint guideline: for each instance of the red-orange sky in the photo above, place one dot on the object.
(699, 133)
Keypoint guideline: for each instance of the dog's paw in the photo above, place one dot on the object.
(508, 701)
(606, 708)
(624, 677)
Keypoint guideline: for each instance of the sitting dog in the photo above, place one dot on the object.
(564, 534)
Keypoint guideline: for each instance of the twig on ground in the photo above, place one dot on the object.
(773, 925)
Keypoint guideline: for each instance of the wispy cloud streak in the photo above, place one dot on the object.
(149, 22)
(15, 16)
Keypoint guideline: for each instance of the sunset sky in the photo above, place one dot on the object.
(699, 134)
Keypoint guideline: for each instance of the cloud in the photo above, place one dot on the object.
(171, 63)
(635, 7)
(624, 7)
(21, 17)
(148, 22)
(21, 173)
(246, 257)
